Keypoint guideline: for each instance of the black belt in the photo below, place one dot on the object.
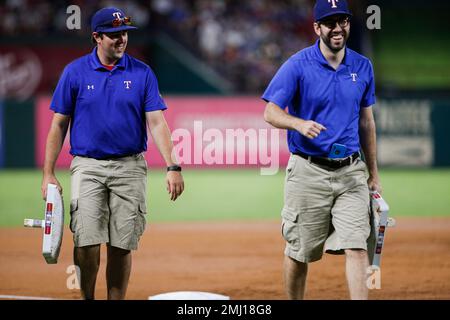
(335, 164)
(116, 157)
(112, 157)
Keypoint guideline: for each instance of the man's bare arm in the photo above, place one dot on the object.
(161, 135)
(368, 140)
(55, 140)
(280, 119)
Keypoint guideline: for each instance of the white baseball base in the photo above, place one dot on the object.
(53, 224)
(189, 295)
(381, 221)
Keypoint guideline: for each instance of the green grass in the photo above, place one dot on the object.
(423, 65)
(408, 56)
(229, 195)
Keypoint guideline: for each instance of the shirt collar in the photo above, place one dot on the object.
(96, 64)
(319, 56)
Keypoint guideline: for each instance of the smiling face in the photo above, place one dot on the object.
(333, 31)
(111, 46)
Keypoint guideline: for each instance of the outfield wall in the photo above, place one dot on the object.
(207, 131)
(218, 132)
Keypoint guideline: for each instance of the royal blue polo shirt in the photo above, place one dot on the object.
(107, 107)
(312, 90)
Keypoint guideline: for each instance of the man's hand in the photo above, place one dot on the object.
(175, 184)
(374, 184)
(49, 178)
(309, 128)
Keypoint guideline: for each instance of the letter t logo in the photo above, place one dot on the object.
(117, 14)
(333, 3)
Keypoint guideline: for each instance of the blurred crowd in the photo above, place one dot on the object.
(244, 41)
(45, 17)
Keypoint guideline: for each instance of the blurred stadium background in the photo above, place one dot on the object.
(213, 59)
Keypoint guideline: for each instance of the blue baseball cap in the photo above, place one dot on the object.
(110, 19)
(326, 8)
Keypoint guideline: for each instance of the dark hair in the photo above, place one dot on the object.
(93, 39)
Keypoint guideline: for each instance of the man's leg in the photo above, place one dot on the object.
(88, 260)
(295, 273)
(356, 265)
(118, 272)
(127, 220)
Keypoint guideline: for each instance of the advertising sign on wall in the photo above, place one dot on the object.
(405, 133)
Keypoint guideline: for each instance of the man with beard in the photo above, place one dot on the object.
(108, 98)
(329, 92)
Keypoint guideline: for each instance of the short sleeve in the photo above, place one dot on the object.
(63, 100)
(283, 86)
(153, 99)
(369, 94)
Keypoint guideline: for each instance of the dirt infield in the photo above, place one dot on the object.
(242, 260)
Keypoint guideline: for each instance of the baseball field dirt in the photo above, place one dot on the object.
(242, 260)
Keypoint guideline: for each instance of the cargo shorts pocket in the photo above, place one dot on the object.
(290, 168)
(289, 228)
(140, 222)
(76, 222)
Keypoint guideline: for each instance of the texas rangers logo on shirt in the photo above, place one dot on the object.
(354, 76)
(333, 3)
(127, 84)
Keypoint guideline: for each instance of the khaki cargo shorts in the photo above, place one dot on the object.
(324, 209)
(108, 201)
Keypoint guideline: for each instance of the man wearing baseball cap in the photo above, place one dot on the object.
(109, 99)
(328, 90)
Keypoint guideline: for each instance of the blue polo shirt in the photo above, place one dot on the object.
(312, 90)
(107, 108)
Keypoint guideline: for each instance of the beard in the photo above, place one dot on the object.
(335, 41)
